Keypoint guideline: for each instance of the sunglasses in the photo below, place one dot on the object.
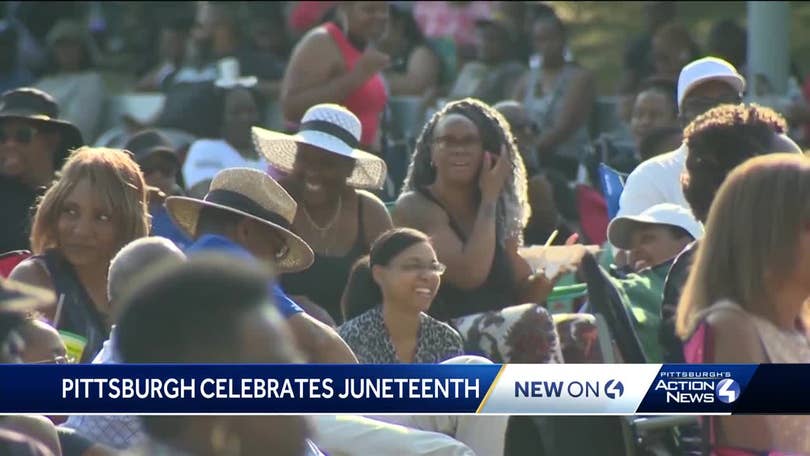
(22, 135)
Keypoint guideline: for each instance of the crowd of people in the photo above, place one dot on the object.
(210, 234)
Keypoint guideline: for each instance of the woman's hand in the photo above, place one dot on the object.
(371, 62)
(538, 287)
(492, 178)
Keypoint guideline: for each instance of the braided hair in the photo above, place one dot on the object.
(512, 211)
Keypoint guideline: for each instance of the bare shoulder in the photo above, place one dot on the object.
(33, 272)
(369, 199)
(414, 210)
(735, 337)
(317, 40)
(376, 219)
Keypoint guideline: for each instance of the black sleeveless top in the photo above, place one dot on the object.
(497, 291)
(78, 316)
(326, 279)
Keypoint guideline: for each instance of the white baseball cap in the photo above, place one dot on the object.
(620, 230)
(707, 69)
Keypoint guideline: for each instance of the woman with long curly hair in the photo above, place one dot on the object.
(466, 188)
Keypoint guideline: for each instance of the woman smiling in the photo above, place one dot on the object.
(385, 302)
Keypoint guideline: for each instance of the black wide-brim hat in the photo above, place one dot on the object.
(28, 103)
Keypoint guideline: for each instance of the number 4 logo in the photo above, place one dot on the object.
(727, 390)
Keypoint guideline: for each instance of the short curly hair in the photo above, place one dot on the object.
(721, 139)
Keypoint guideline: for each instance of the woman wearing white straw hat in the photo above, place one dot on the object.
(327, 176)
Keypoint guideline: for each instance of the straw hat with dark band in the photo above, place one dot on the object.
(331, 128)
(253, 194)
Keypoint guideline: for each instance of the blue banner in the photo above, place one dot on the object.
(698, 388)
(220, 388)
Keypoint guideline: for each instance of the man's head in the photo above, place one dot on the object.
(723, 138)
(251, 209)
(210, 309)
(34, 142)
(134, 259)
(523, 128)
(655, 107)
(705, 84)
(656, 235)
(253, 235)
(156, 157)
(43, 345)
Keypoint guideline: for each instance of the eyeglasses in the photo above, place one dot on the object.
(410, 268)
(22, 135)
(56, 360)
(447, 142)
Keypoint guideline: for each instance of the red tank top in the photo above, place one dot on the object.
(367, 101)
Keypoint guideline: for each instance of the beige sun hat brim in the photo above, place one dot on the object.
(186, 213)
(280, 149)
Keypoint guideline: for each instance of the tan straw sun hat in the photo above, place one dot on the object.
(254, 194)
(332, 128)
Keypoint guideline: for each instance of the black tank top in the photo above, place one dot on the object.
(495, 293)
(79, 315)
(326, 279)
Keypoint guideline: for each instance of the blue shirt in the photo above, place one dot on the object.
(216, 243)
(163, 226)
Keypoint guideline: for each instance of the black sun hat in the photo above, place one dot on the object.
(32, 104)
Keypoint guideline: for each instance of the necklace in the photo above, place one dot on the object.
(323, 230)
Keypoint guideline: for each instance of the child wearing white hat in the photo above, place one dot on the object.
(656, 235)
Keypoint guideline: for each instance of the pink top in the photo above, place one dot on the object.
(789, 431)
(367, 102)
(441, 19)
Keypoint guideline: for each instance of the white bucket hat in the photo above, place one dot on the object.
(329, 127)
(620, 230)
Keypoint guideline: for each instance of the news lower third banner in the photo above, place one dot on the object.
(515, 389)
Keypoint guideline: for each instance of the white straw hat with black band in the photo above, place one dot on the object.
(330, 127)
(253, 194)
